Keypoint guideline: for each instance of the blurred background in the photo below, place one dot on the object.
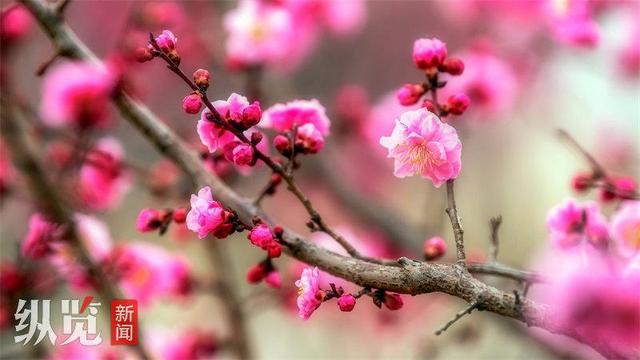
(526, 78)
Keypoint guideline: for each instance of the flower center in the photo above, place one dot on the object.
(420, 157)
(632, 236)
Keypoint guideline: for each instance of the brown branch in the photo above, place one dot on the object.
(51, 203)
(458, 231)
(415, 278)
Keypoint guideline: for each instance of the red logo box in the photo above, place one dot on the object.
(124, 322)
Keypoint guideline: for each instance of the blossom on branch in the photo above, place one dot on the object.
(309, 294)
(208, 216)
(571, 224)
(421, 144)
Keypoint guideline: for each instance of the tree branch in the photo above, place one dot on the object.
(416, 278)
(458, 231)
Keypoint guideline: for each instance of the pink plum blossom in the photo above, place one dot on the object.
(262, 237)
(429, 53)
(188, 344)
(625, 227)
(237, 109)
(103, 180)
(15, 22)
(167, 41)
(309, 294)
(599, 303)
(339, 17)
(146, 272)
(571, 23)
(207, 216)
(346, 302)
(283, 117)
(148, 220)
(77, 94)
(41, 235)
(262, 33)
(570, 223)
(421, 144)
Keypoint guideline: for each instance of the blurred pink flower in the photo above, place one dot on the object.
(38, 241)
(629, 56)
(599, 303)
(421, 144)
(283, 117)
(488, 81)
(625, 227)
(309, 294)
(378, 124)
(146, 272)
(571, 223)
(262, 33)
(103, 180)
(148, 220)
(76, 93)
(571, 22)
(76, 351)
(190, 344)
(429, 53)
(15, 22)
(434, 248)
(207, 216)
(338, 16)
(7, 171)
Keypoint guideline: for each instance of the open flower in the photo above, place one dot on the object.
(429, 53)
(423, 145)
(571, 223)
(309, 294)
(76, 93)
(103, 180)
(283, 117)
(625, 227)
(208, 216)
(39, 239)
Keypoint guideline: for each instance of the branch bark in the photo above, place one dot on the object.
(413, 278)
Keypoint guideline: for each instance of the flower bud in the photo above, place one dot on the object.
(607, 192)
(251, 115)
(453, 66)
(458, 103)
(148, 220)
(256, 273)
(581, 182)
(278, 230)
(346, 302)
(180, 215)
(308, 139)
(429, 105)
(282, 144)
(625, 186)
(166, 41)
(393, 301)
(429, 53)
(409, 94)
(143, 54)
(274, 250)
(191, 104)
(273, 279)
(243, 154)
(434, 248)
(256, 137)
(201, 78)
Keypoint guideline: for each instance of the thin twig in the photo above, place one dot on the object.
(497, 269)
(598, 170)
(458, 231)
(458, 316)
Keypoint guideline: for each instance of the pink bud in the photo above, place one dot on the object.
(606, 193)
(625, 186)
(309, 139)
(458, 103)
(243, 154)
(429, 53)
(274, 250)
(15, 22)
(251, 115)
(580, 182)
(256, 273)
(260, 235)
(281, 143)
(346, 302)
(409, 94)
(429, 105)
(166, 41)
(191, 104)
(143, 54)
(393, 301)
(201, 78)
(256, 137)
(148, 220)
(453, 66)
(180, 215)
(434, 248)
(273, 279)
